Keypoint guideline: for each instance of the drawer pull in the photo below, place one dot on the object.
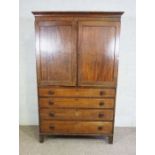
(51, 114)
(101, 103)
(51, 92)
(100, 128)
(101, 115)
(52, 127)
(50, 102)
(102, 92)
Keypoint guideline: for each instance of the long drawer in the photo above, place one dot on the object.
(75, 103)
(76, 92)
(76, 114)
(75, 127)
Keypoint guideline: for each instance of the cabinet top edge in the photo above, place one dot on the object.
(83, 13)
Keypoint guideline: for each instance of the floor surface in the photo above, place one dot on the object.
(124, 143)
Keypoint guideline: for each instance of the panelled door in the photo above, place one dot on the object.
(56, 52)
(97, 53)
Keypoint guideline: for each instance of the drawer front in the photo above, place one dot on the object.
(75, 127)
(76, 92)
(75, 103)
(76, 114)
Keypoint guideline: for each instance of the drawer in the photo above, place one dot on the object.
(75, 127)
(75, 103)
(76, 92)
(76, 114)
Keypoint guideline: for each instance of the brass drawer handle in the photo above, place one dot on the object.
(51, 114)
(50, 102)
(52, 127)
(102, 92)
(50, 92)
(101, 103)
(100, 128)
(100, 115)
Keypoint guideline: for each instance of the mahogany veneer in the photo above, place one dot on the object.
(84, 103)
(77, 63)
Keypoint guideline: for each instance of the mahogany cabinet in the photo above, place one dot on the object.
(77, 63)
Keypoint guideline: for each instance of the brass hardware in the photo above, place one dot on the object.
(51, 114)
(101, 103)
(100, 128)
(51, 92)
(101, 115)
(102, 92)
(52, 127)
(50, 102)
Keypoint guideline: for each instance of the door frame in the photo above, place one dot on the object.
(116, 53)
(58, 22)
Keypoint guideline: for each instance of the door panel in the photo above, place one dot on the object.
(57, 53)
(96, 54)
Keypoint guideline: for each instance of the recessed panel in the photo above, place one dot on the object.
(96, 53)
